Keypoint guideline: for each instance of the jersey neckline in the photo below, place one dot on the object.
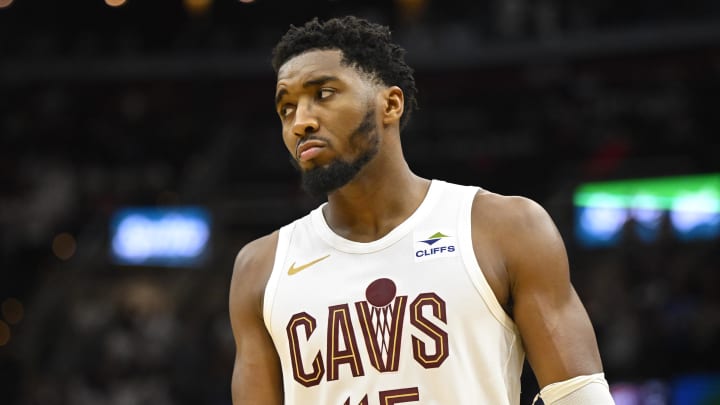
(349, 246)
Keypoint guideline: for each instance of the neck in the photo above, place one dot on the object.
(383, 195)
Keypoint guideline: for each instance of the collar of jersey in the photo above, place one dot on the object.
(345, 245)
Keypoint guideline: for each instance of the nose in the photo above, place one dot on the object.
(305, 121)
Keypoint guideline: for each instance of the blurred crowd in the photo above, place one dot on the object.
(655, 306)
(133, 339)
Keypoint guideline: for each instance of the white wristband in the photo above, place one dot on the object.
(581, 390)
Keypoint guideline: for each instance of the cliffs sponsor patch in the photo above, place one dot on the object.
(433, 245)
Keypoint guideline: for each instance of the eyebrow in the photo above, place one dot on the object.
(310, 83)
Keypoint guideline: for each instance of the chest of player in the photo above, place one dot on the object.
(338, 314)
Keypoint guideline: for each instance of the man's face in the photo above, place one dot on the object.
(328, 119)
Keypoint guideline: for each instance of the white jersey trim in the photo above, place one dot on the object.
(472, 267)
(283, 243)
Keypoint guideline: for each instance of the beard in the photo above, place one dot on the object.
(322, 180)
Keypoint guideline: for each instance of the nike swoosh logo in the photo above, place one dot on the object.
(294, 270)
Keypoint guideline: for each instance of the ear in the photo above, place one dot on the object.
(393, 102)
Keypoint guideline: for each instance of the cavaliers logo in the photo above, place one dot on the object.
(381, 323)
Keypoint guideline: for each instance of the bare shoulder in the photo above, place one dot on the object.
(508, 211)
(258, 251)
(252, 268)
(505, 235)
(519, 227)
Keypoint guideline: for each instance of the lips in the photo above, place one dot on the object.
(309, 149)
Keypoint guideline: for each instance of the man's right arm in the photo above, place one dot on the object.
(257, 377)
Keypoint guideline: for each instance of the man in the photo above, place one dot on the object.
(399, 289)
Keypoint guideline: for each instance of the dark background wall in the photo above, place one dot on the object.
(168, 103)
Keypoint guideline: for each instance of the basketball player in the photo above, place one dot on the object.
(399, 289)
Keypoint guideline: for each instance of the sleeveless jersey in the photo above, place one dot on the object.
(408, 318)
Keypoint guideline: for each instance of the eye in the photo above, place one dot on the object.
(325, 92)
(286, 110)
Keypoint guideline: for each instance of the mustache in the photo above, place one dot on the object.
(310, 137)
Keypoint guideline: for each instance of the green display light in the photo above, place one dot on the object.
(696, 193)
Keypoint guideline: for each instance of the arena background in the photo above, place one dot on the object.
(162, 104)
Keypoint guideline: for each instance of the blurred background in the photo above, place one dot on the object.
(140, 151)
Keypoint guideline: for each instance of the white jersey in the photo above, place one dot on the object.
(408, 318)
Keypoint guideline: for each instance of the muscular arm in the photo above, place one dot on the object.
(531, 270)
(555, 328)
(256, 378)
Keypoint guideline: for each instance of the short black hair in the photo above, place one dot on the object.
(364, 45)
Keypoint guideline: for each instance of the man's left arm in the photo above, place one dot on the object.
(556, 330)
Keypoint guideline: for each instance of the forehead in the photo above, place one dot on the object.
(316, 63)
